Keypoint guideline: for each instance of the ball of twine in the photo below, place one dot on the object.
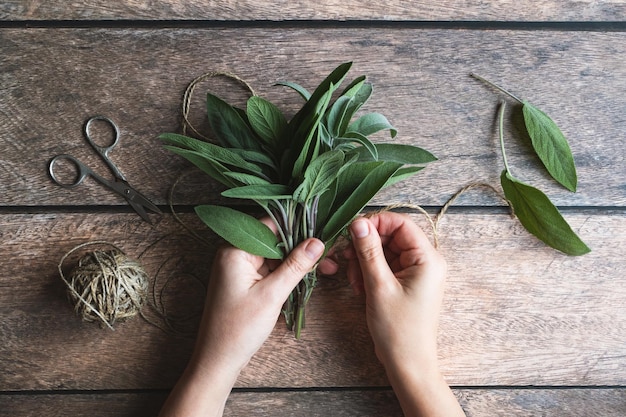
(106, 285)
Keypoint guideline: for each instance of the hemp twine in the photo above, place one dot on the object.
(106, 285)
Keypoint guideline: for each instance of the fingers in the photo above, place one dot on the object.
(369, 251)
(301, 260)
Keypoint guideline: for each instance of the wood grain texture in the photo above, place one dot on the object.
(352, 403)
(538, 318)
(472, 10)
(53, 80)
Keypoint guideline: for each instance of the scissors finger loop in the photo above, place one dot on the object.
(104, 150)
(81, 171)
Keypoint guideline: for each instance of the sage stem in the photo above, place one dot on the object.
(501, 131)
(497, 87)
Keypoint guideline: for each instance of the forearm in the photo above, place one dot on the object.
(201, 391)
(423, 392)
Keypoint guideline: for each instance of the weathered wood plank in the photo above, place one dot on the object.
(53, 80)
(473, 10)
(516, 313)
(579, 402)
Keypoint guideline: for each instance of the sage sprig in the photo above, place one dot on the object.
(547, 140)
(534, 209)
(311, 174)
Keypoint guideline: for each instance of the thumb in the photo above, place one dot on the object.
(300, 261)
(369, 250)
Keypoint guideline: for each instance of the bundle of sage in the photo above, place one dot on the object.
(311, 174)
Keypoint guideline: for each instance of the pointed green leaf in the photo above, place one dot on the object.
(335, 115)
(255, 157)
(354, 203)
(241, 230)
(551, 146)
(540, 217)
(210, 151)
(364, 141)
(310, 146)
(353, 88)
(371, 123)
(259, 192)
(319, 175)
(304, 93)
(246, 179)
(358, 100)
(211, 167)
(266, 120)
(404, 154)
(229, 126)
(402, 174)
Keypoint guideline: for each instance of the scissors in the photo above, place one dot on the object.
(120, 185)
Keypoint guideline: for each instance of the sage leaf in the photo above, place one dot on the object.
(259, 192)
(362, 140)
(229, 126)
(551, 146)
(241, 230)
(540, 217)
(246, 179)
(209, 166)
(319, 175)
(402, 174)
(266, 120)
(404, 154)
(371, 123)
(358, 100)
(353, 87)
(357, 200)
(209, 151)
(335, 115)
(304, 93)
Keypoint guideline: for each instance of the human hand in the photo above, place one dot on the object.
(402, 276)
(244, 300)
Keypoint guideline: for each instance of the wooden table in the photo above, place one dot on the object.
(525, 330)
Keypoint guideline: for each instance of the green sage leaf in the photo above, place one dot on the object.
(319, 175)
(210, 151)
(259, 192)
(246, 179)
(266, 120)
(209, 166)
(335, 115)
(371, 123)
(551, 146)
(304, 93)
(540, 217)
(402, 174)
(404, 154)
(241, 230)
(362, 194)
(358, 100)
(362, 140)
(229, 126)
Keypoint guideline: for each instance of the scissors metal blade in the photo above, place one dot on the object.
(136, 200)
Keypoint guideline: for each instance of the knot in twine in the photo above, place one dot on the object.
(106, 285)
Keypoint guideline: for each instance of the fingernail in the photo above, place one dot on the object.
(314, 249)
(359, 229)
